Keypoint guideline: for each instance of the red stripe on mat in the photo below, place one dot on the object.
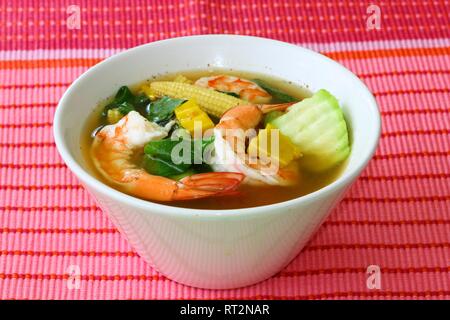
(362, 75)
(378, 246)
(349, 294)
(363, 54)
(326, 224)
(286, 274)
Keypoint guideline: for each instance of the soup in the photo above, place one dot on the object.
(152, 140)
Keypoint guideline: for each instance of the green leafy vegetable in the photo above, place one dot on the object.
(163, 148)
(123, 101)
(162, 109)
(162, 167)
(207, 150)
(124, 94)
(207, 141)
(158, 157)
(140, 102)
(230, 93)
(277, 94)
(125, 107)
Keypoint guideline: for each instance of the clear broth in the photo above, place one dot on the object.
(249, 196)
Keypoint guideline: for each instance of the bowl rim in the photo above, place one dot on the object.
(89, 180)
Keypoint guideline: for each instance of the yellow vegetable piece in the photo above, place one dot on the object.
(149, 92)
(213, 102)
(189, 113)
(262, 145)
(113, 116)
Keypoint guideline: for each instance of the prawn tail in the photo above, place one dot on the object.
(207, 185)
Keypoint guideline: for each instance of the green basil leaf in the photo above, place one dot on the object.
(162, 109)
(161, 167)
(141, 100)
(207, 141)
(277, 94)
(230, 93)
(124, 94)
(140, 103)
(163, 148)
(125, 107)
(123, 100)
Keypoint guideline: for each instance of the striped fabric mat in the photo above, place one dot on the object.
(396, 216)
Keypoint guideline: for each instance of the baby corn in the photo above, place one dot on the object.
(148, 91)
(182, 79)
(213, 102)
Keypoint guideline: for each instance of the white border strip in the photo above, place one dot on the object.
(321, 47)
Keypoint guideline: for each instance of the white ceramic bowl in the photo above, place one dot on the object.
(218, 248)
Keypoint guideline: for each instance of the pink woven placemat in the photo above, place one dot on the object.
(396, 216)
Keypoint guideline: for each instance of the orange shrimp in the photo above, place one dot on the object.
(228, 152)
(246, 89)
(248, 116)
(112, 152)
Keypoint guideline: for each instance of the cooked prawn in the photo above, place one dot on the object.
(229, 156)
(113, 149)
(246, 89)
